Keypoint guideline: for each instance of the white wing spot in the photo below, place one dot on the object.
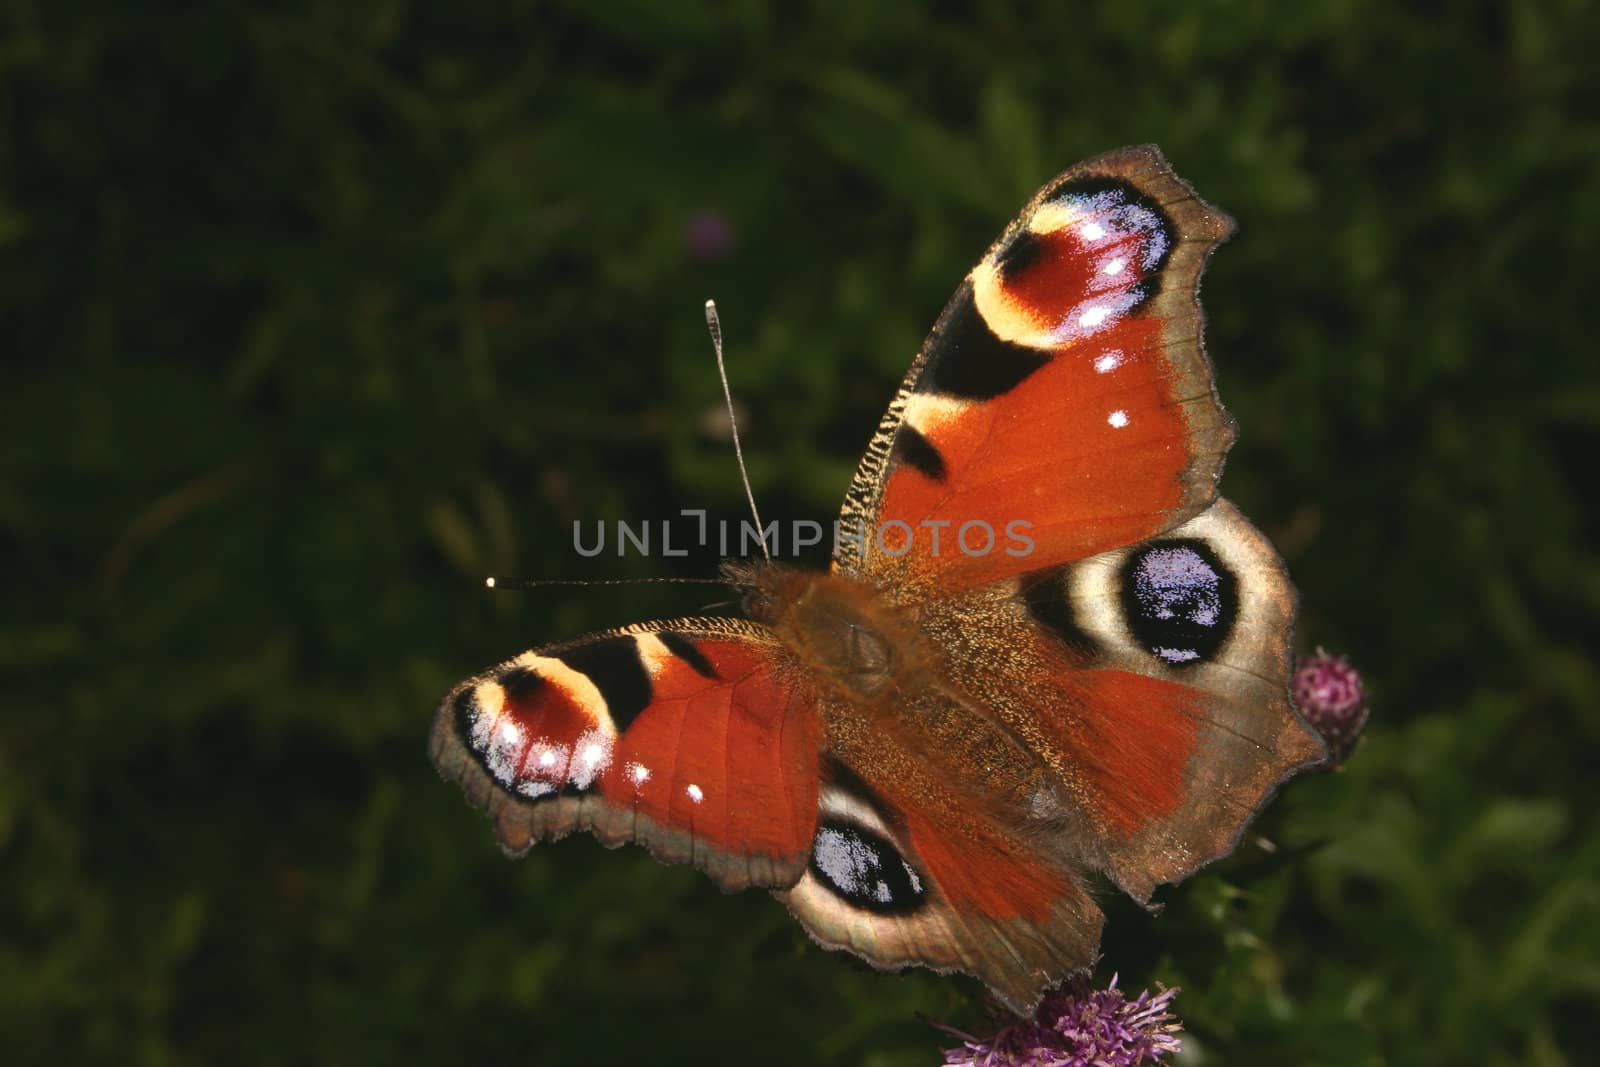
(1118, 418)
(547, 758)
(1093, 317)
(639, 773)
(1108, 362)
(1092, 231)
(502, 752)
(593, 752)
(696, 794)
(1116, 265)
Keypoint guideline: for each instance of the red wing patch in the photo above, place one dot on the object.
(689, 742)
(1131, 738)
(1062, 406)
(1172, 773)
(983, 873)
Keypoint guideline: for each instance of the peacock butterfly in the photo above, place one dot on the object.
(926, 754)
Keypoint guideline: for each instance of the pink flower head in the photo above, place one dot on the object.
(1078, 1026)
(1333, 700)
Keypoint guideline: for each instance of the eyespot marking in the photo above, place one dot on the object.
(864, 869)
(1179, 601)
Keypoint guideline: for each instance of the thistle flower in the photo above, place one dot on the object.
(1333, 700)
(1078, 1026)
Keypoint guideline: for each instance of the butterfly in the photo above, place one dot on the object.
(929, 751)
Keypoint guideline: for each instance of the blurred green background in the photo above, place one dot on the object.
(314, 316)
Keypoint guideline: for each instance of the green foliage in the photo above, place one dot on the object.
(316, 314)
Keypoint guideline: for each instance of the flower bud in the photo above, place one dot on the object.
(1331, 697)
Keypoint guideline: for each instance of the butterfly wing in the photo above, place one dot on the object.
(1064, 386)
(1152, 680)
(682, 736)
(909, 873)
(1131, 666)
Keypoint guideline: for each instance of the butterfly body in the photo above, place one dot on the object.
(929, 754)
(852, 641)
(888, 698)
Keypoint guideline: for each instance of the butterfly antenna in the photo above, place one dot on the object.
(534, 583)
(715, 326)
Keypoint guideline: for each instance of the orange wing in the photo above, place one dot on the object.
(1062, 405)
(681, 736)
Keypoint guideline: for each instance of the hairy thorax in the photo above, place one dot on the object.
(841, 632)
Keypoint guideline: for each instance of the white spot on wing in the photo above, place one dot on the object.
(594, 756)
(696, 794)
(503, 754)
(1108, 361)
(1094, 316)
(544, 767)
(1118, 418)
(1115, 266)
(510, 733)
(639, 773)
(1092, 231)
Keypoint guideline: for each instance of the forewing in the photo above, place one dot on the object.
(687, 737)
(1064, 388)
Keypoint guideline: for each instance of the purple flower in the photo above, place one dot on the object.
(1333, 700)
(1077, 1026)
(708, 235)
